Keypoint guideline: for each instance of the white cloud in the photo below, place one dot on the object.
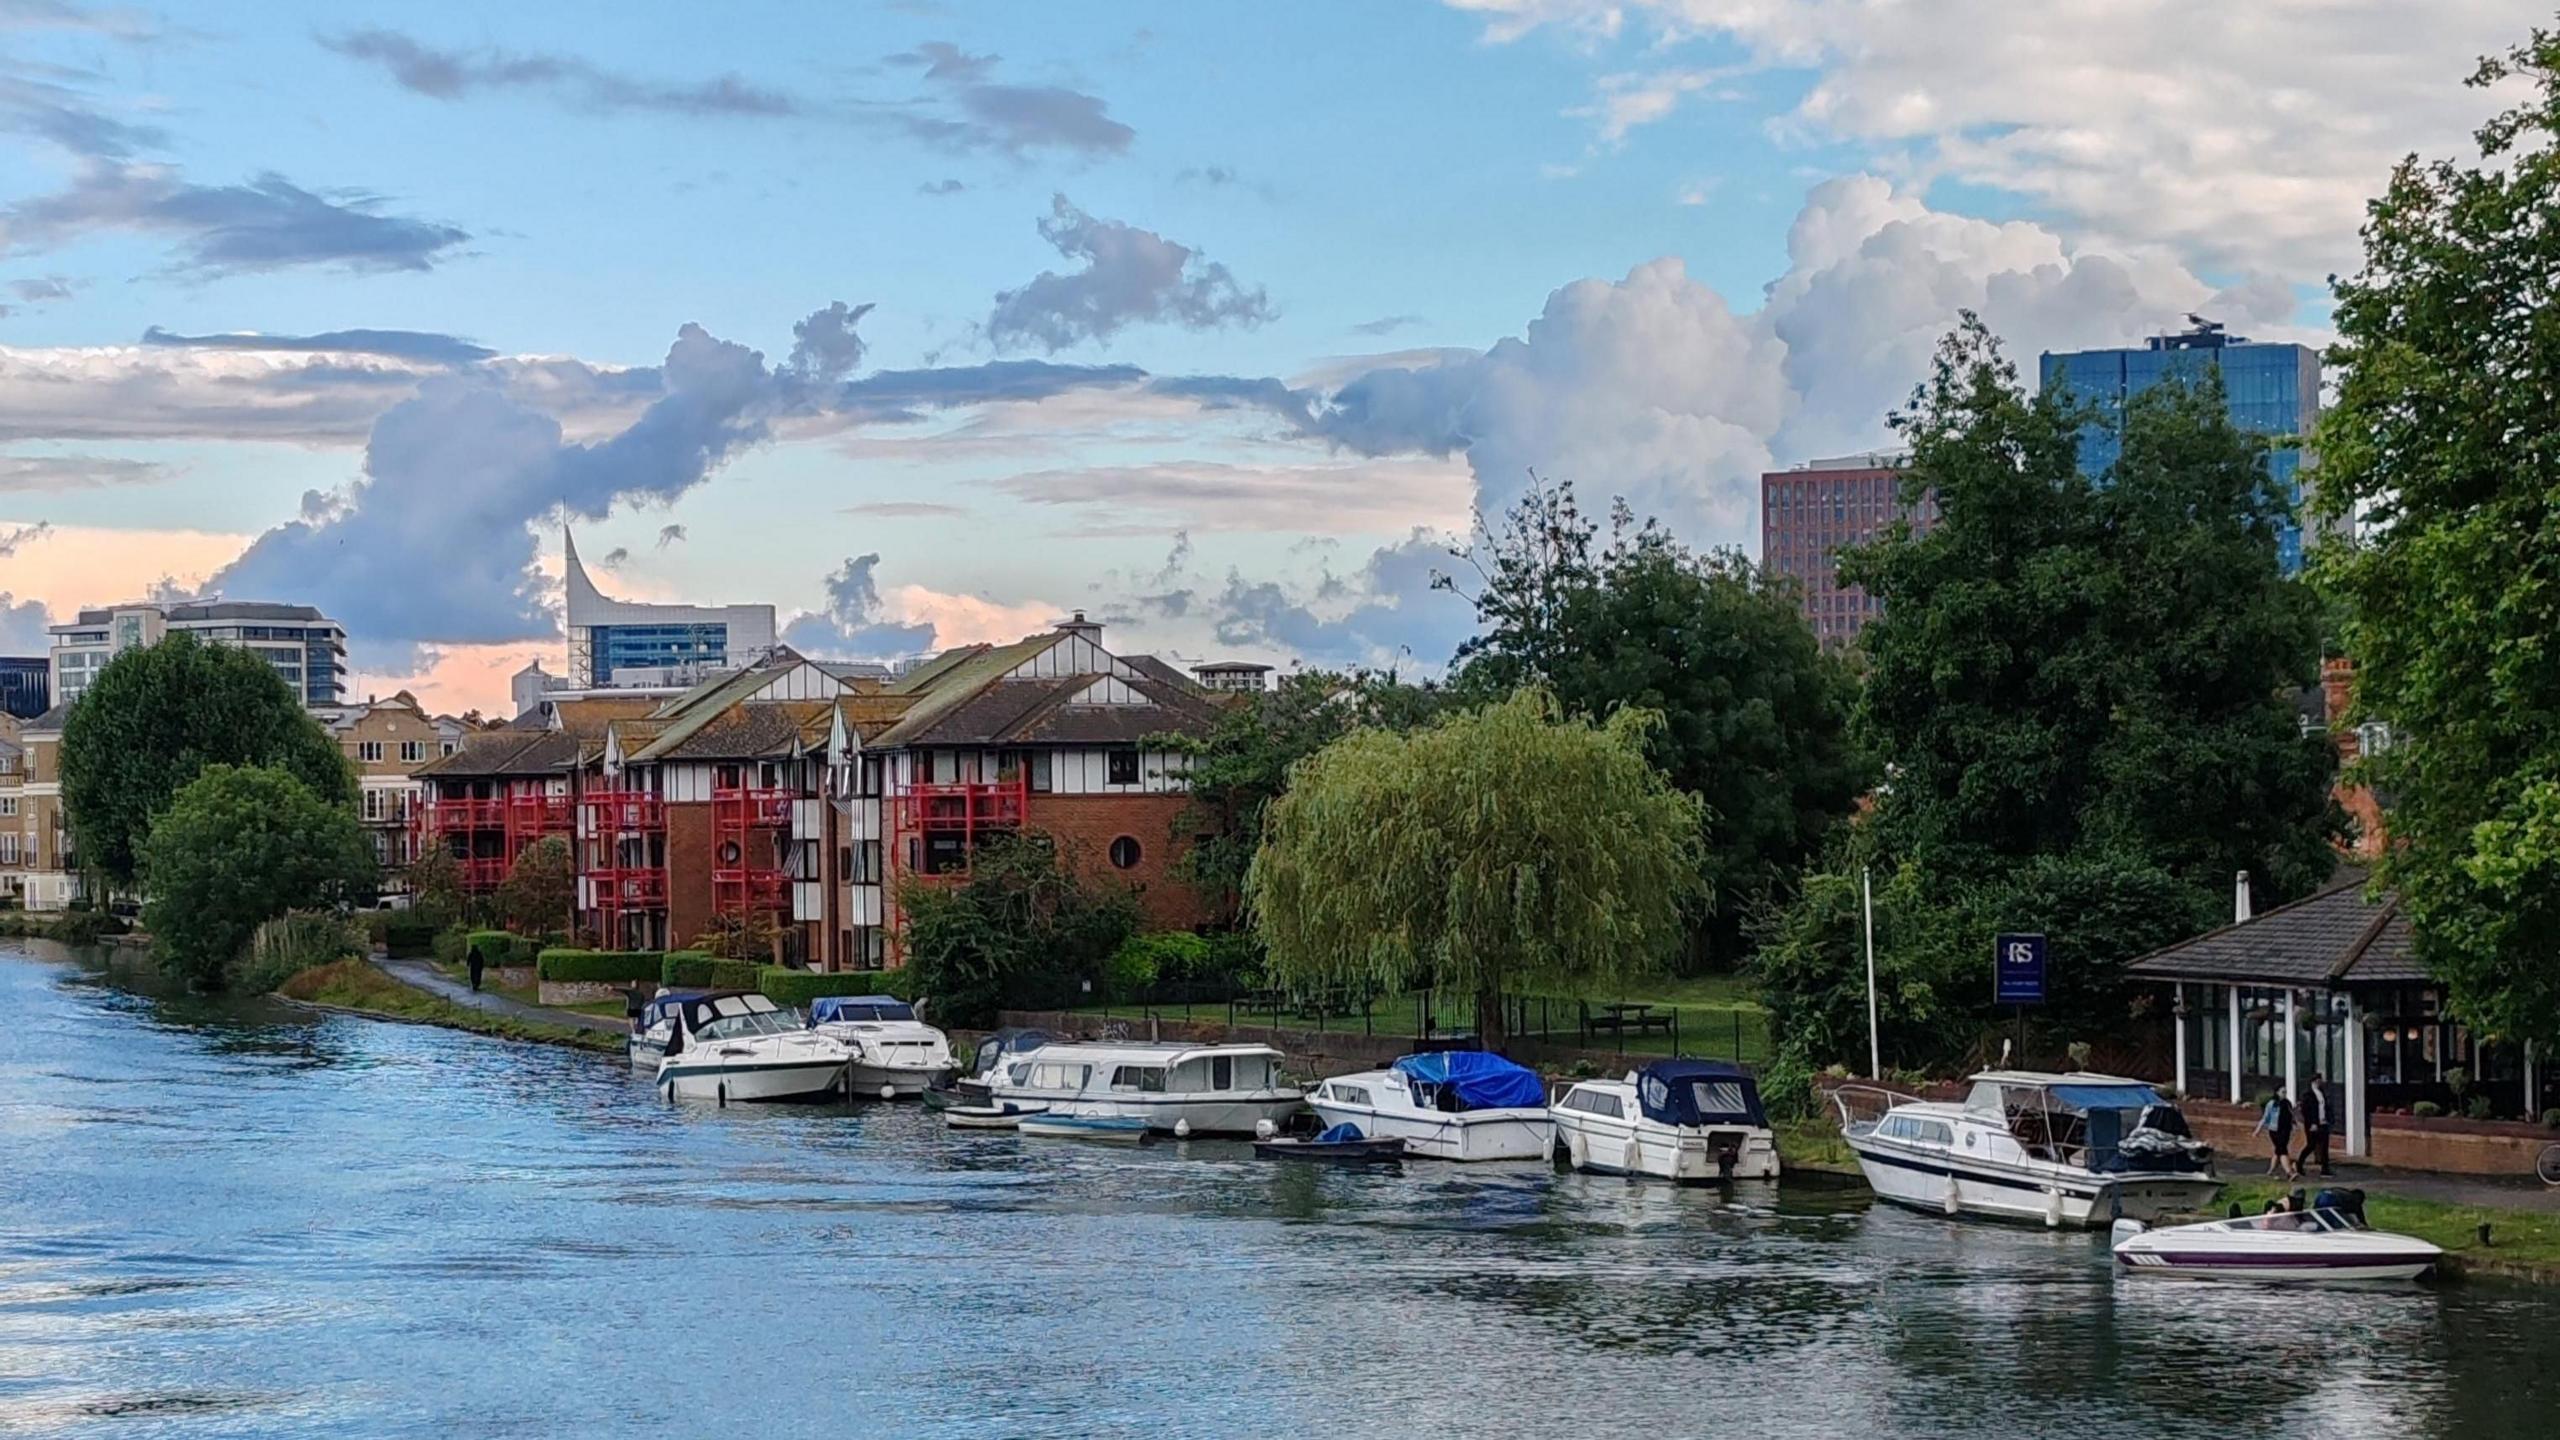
(1389, 496)
(2242, 136)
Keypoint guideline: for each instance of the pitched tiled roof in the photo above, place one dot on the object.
(2334, 938)
(1158, 670)
(758, 729)
(1003, 712)
(506, 752)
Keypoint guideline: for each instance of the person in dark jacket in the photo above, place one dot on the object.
(2276, 1123)
(2315, 1127)
(474, 963)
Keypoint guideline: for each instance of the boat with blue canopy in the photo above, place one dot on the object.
(2065, 1149)
(1337, 1145)
(894, 1052)
(1445, 1105)
(1677, 1119)
(651, 1028)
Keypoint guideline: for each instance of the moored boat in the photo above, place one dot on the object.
(892, 1052)
(737, 1047)
(1338, 1145)
(2327, 1243)
(986, 1117)
(973, 1086)
(1688, 1120)
(647, 1043)
(2062, 1149)
(1177, 1088)
(1445, 1105)
(1108, 1129)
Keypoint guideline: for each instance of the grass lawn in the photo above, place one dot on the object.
(357, 985)
(2528, 1238)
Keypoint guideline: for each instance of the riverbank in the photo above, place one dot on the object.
(358, 987)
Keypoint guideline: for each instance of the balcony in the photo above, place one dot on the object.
(734, 889)
(624, 812)
(962, 807)
(443, 815)
(740, 808)
(483, 873)
(539, 814)
(631, 888)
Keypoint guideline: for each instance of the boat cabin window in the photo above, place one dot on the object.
(1913, 1128)
(1350, 1094)
(1138, 1077)
(1062, 1077)
(1597, 1102)
(1222, 1072)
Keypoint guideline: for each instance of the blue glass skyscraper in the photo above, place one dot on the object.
(2272, 390)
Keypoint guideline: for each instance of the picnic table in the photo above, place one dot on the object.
(1625, 1016)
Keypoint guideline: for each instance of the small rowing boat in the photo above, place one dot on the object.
(1336, 1147)
(1108, 1129)
(986, 1117)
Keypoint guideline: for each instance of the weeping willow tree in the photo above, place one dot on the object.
(1501, 851)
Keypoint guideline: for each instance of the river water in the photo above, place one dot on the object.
(222, 1218)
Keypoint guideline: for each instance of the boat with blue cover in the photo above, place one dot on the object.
(1693, 1120)
(1445, 1105)
(2065, 1149)
(894, 1053)
(1337, 1145)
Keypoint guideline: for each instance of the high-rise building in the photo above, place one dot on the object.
(306, 647)
(1808, 514)
(622, 644)
(26, 685)
(2271, 389)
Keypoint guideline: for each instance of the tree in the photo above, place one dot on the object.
(2440, 453)
(2082, 687)
(1755, 712)
(537, 894)
(1494, 851)
(435, 887)
(240, 845)
(751, 934)
(156, 717)
(1023, 929)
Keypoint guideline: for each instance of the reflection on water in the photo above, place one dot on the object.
(240, 1219)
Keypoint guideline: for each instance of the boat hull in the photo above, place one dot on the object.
(749, 1082)
(1334, 1152)
(1472, 1135)
(1619, 1147)
(900, 1081)
(984, 1117)
(1097, 1129)
(2172, 1264)
(1208, 1114)
(1924, 1180)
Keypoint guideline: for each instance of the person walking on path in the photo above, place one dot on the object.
(2315, 1127)
(473, 964)
(2276, 1123)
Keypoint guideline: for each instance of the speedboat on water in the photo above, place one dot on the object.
(2326, 1243)
(737, 1047)
(1181, 1088)
(1107, 1129)
(893, 1053)
(2064, 1149)
(1676, 1119)
(647, 1043)
(1445, 1104)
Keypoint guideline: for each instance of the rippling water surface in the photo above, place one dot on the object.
(236, 1219)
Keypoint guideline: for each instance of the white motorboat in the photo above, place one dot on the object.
(2063, 1149)
(2324, 1244)
(1445, 1104)
(1697, 1120)
(1102, 1129)
(986, 1117)
(893, 1052)
(736, 1047)
(973, 1088)
(1199, 1089)
(647, 1043)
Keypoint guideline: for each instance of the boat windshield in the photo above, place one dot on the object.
(754, 1022)
(2305, 1222)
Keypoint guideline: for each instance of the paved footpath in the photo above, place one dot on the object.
(419, 975)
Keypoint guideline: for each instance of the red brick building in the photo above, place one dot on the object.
(1809, 513)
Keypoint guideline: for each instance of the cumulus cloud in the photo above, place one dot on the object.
(670, 535)
(25, 474)
(1130, 276)
(23, 626)
(2211, 129)
(854, 625)
(269, 223)
(824, 347)
(1388, 614)
(423, 345)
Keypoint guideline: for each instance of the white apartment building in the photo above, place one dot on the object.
(306, 647)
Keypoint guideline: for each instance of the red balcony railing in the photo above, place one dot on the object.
(630, 888)
(963, 807)
(736, 888)
(741, 808)
(445, 815)
(538, 814)
(617, 812)
(483, 872)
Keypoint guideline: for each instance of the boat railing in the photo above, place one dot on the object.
(1861, 1106)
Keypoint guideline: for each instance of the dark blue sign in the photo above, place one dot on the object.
(2017, 969)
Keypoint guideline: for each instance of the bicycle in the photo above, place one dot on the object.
(2547, 1165)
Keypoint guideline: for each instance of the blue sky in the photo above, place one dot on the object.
(1651, 247)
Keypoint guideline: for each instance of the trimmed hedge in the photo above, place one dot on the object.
(503, 947)
(407, 934)
(610, 967)
(701, 970)
(799, 987)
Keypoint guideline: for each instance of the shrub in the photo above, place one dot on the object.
(87, 927)
(685, 970)
(451, 946)
(610, 967)
(2551, 1119)
(2476, 1108)
(2426, 1109)
(406, 933)
(799, 987)
(290, 944)
(500, 947)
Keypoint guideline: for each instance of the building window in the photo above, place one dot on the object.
(8, 848)
(373, 804)
(8, 804)
(1124, 852)
(369, 751)
(1124, 768)
(1039, 770)
(450, 746)
(413, 751)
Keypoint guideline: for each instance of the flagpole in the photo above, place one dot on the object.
(1875, 1051)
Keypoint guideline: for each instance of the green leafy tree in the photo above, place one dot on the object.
(436, 895)
(240, 845)
(2081, 686)
(1755, 713)
(1497, 851)
(1025, 929)
(156, 716)
(537, 894)
(2442, 454)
